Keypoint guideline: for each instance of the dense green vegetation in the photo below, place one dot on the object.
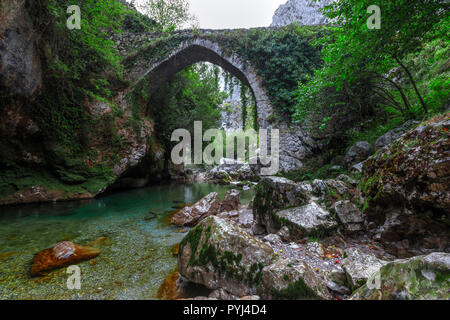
(373, 80)
(80, 67)
(192, 95)
(397, 71)
(169, 15)
(282, 57)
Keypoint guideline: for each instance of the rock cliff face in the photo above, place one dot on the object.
(36, 167)
(305, 12)
(231, 118)
(20, 66)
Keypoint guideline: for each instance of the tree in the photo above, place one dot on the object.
(354, 47)
(192, 95)
(169, 14)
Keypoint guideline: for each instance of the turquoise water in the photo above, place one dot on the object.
(130, 228)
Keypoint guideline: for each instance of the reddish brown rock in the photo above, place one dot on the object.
(62, 255)
(231, 202)
(175, 249)
(190, 216)
(168, 289)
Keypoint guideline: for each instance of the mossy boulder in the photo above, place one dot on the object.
(285, 280)
(360, 266)
(308, 220)
(406, 187)
(424, 277)
(217, 253)
(273, 194)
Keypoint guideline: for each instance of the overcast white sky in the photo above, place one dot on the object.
(229, 14)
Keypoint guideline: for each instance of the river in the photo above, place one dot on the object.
(130, 227)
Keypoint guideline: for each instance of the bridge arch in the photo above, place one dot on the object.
(200, 50)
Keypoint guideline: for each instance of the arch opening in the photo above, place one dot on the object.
(199, 50)
(189, 56)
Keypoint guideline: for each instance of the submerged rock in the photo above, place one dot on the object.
(100, 241)
(219, 254)
(420, 278)
(175, 249)
(190, 216)
(360, 266)
(169, 289)
(62, 255)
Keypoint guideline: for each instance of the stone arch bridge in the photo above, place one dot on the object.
(155, 58)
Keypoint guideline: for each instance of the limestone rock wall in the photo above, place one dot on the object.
(20, 66)
(304, 12)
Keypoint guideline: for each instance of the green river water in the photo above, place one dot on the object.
(136, 251)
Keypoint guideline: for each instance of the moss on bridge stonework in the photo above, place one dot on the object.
(281, 56)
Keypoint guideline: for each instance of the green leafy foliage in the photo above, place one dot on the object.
(169, 15)
(388, 75)
(192, 95)
(82, 65)
(282, 58)
(135, 22)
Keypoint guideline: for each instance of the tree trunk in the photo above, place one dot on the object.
(424, 105)
(400, 90)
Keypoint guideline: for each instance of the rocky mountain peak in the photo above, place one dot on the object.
(305, 12)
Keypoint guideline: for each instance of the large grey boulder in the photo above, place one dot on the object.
(424, 277)
(308, 220)
(360, 266)
(230, 169)
(394, 134)
(219, 254)
(359, 152)
(286, 280)
(349, 214)
(275, 193)
(191, 215)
